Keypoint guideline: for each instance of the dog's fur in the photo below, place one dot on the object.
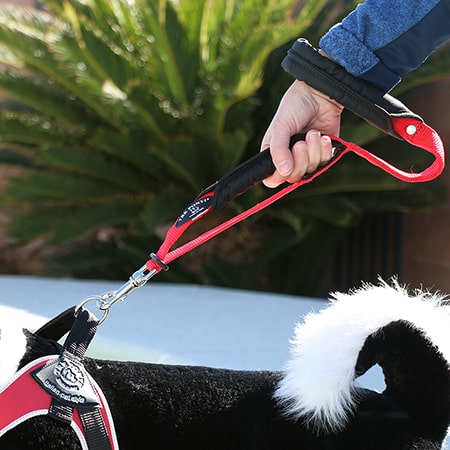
(314, 404)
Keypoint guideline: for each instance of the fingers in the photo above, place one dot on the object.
(282, 159)
(301, 108)
(305, 157)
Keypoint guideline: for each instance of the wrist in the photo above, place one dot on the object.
(323, 74)
(326, 55)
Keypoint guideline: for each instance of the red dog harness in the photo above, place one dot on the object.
(59, 386)
(23, 398)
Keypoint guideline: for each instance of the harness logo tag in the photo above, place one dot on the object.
(67, 380)
(69, 375)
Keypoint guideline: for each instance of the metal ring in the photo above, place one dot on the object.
(99, 301)
(158, 261)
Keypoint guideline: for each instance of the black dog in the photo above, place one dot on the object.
(315, 404)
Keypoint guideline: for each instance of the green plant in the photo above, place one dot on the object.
(123, 111)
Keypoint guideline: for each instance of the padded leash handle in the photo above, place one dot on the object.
(385, 112)
(306, 63)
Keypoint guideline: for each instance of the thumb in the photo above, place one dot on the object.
(281, 154)
(281, 158)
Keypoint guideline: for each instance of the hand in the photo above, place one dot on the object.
(302, 108)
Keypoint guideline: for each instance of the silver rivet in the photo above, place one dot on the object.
(411, 129)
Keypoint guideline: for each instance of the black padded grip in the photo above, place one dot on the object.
(240, 179)
(246, 175)
(305, 63)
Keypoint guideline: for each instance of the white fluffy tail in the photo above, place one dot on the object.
(319, 384)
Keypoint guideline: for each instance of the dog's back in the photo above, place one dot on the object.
(313, 405)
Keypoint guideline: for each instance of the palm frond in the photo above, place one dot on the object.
(28, 129)
(41, 95)
(79, 160)
(119, 112)
(49, 187)
(69, 222)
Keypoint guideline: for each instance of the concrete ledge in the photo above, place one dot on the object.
(170, 323)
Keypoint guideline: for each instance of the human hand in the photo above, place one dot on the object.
(301, 109)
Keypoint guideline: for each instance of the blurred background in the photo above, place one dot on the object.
(115, 114)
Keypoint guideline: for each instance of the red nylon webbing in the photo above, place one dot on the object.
(412, 131)
(424, 137)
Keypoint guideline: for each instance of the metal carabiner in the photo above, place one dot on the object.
(138, 279)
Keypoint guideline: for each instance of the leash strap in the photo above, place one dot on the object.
(412, 130)
(383, 111)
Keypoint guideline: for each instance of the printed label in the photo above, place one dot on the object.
(195, 210)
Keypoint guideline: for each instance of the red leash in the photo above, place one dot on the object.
(412, 130)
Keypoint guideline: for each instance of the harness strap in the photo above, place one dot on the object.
(95, 428)
(57, 327)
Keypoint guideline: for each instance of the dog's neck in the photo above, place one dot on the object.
(36, 347)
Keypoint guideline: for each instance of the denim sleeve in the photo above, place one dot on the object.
(383, 39)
